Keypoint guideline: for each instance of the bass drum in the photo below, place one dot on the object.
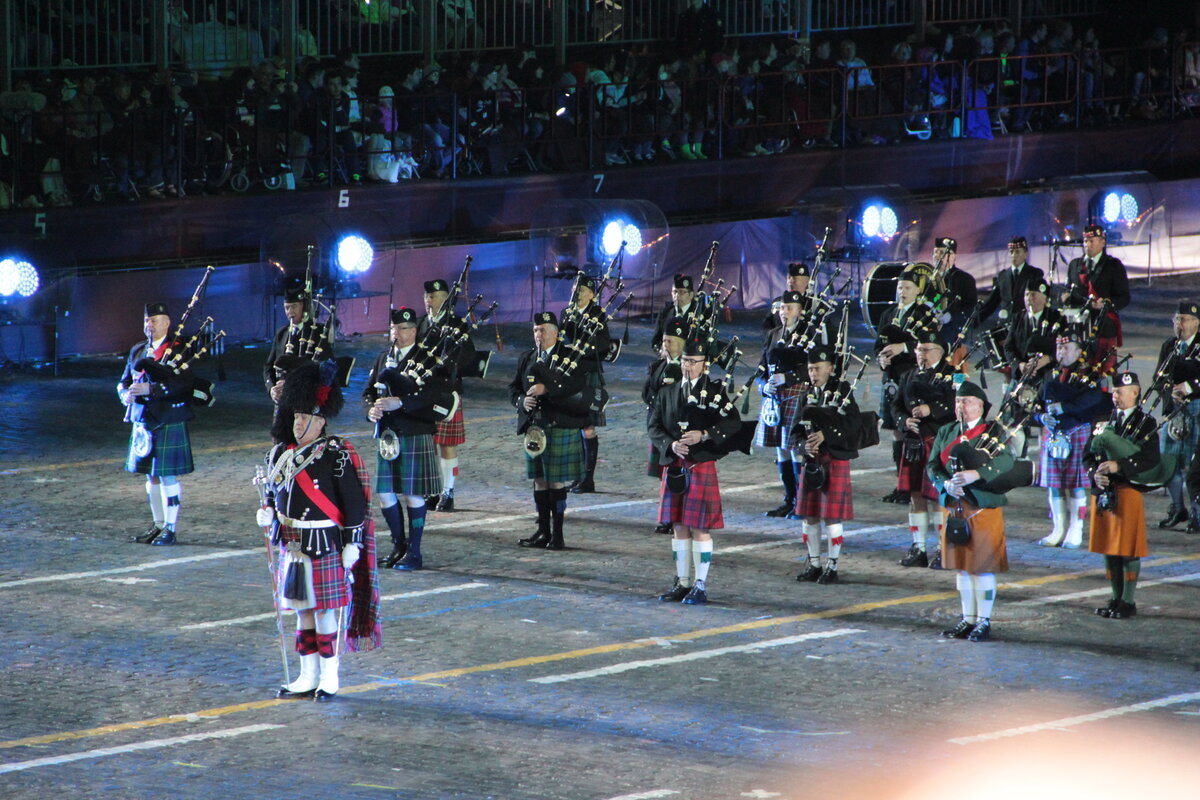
(879, 292)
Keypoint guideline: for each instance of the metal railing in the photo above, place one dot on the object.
(216, 36)
(84, 150)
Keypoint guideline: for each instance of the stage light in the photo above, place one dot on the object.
(633, 240)
(879, 221)
(354, 254)
(870, 221)
(10, 276)
(27, 279)
(611, 238)
(1110, 209)
(1129, 208)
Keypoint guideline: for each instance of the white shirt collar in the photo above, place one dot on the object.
(157, 343)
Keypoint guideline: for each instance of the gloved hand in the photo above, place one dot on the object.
(1055, 408)
(264, 517)
(777, 380)
(350, 555)
(1050, 422)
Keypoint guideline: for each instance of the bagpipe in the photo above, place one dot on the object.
(177, 360)
(451, 331)
(974, 454)
(312, 338)
(1177, 423)
(561, 366)
(572, 315)
(1111, 446)
(429, 365)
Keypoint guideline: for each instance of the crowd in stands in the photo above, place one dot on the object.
(350, 120)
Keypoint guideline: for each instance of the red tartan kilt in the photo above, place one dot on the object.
(912, 477)
(453, 431)
(700, 506)
(833, 502)
(328, 576)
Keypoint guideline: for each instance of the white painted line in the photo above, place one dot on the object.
(1070, 722)
(152, 744)
(741, 548)
(650, 795)
(697, 655)
(170, 562)
(1064, 598)
(221, 623)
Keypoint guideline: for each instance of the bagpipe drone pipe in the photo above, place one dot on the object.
(173, 368)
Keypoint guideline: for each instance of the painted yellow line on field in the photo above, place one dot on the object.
(549, 658)
(235, 448)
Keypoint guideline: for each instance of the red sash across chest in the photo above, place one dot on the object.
(318, 498)
(963, 437)
(159, 352)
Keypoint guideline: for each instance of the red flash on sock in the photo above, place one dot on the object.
(325, 644)
(306, 641)
(837, 541)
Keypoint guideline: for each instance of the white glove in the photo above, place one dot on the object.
(264, 517)
(777, 380)
(944, 318)
(350, 555)
(1055, 408)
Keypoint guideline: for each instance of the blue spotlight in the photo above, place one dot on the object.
(633, 239)
(879, 221)
(1129, 208)
(1110, 209)
(10, 276)
(611, 238)
(27, 279)
(354, 254)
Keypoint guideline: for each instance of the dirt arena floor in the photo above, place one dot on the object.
(138, 672)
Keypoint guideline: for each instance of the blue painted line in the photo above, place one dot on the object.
(462, 608)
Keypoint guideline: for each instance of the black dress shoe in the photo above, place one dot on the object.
(936, 561)
(409, 563)
(828, 576)
(981, 632)
(896, 496)
(584, 487)
(539, 539)
(165, 538)
(322, 696)
(916, 558)
(1193, 525)
(148, 536)
(286, 694)
(676, 593)
(782, 511)
(555, 543)
(1107, 610)
(432, 500)
(1123, 610)
(810, 575)
(446, 503)
(394, 557)
(696, 595)
(960, 631)
(1174, 516)
(666, 528)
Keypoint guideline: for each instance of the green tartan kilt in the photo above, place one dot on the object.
(170, 452)
(561, 461)
(415, 472)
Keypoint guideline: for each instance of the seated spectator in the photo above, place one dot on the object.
(438, 116)
(87, 120)
(328, 126)
(610, 87)
(274, 109)
(862, 99)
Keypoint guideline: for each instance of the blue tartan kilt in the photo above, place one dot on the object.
(1067, 473)
(698, 507)
(780, 435)
(170, 453)
(561, 461)
(414, 472)
(1184, 448)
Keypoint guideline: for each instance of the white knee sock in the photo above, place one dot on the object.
(966, 594)
(170, 499)
(449, 473)
(1058, 517)
(701, 558)
(917, 524)
(156, 503)
(833, 530)
(812, 540)
(1077, 504)
(985, 594)
(681, 551)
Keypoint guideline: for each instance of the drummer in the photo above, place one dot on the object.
(961, 294)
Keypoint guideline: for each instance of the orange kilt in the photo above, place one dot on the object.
(987, 550)
(1122, 533)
